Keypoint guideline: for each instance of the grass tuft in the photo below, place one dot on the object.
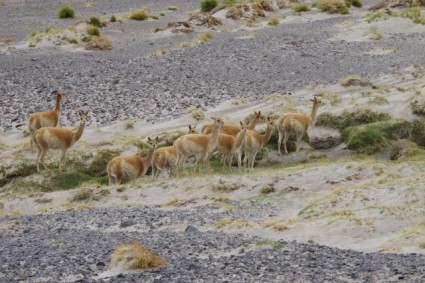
(204, 37)
(300, 7)
(93, 30)
(66, 12)
(113, 19)
(140, 15)
(95, 21)
(266, 189)
(332, 6)
(355, 81)
(273, 21)
(208, 5)
(350, 119)
(273, 244)
(377, 15)
(196, 113)
(136, 256)
(98, 43)
(82, 194)
(171, 8)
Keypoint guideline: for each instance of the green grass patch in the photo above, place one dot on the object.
(93, 30)
(418, 107)
(370, 18)
(140, 15)
(370, 138)
(413, 13)
(300, 7)
(171, 8)
(275, 245)
(66, 12)
(350, 119)
(71, 180)
(417, 134)
(208, 5)
(332, 6)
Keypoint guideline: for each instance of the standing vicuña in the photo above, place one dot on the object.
(295, 123)
(49, 118)
(130, 166)
(165, 157)
(199, 145)
(234, 129)
(254, 142)
(56, 138)
(229, 145)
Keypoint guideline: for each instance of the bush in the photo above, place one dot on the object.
(208, 5)
(140, 15)
(136, 256)
(95, 21)
(357, 3)
(300, 7)
(98, 43)
(350, 119)
(97, 167)
(332, 6)
(371, 137)
(113, 19)
(92, 30)
(66, 12)
(273, 21)
(202, 38)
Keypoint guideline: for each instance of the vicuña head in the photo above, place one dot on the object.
(48, 118)
(131, 167)
(57, 138)
(295, 124)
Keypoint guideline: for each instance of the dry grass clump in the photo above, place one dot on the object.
(266, 189)
(332, 6)
(413, 13)
(129, 125)
(6, 40)
(300, 7)
(273, 21)
(93, 30)
(236, 12)
(239, 224)
(203, 38)
(140, 15)
(355, 81)
(95, 21)
(265, 5)
(225, 187)
(374, 34)
(171, 8)
(204, 19)
(276, 225)
(66, 12)
(397, 4)
(136, 256)
(283, 4)
(350, 119)
(377, 15)
(98, 43)
(82, 194)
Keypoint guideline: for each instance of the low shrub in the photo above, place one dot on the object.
(332, 6)
(93, 30)
(202, 38)
(300, 7)
(371, 137)
(350, 119)
(273, 21)
(95, 21)
(97, 166)
(140, 15)
(136, 256)
(98, 43)
(82, 194)
(66, 12)
(374, 16)
(208, 5)
(113, 19)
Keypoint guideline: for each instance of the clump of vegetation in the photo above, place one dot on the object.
(196, 113)
(332, 6)
(98, 43)
(208, 5)
(266, 189)
(93, 30)
(300, 7)
(160, 52)
(136, 256)
(129, 125)
(72, 180)
(23, 169)
(273, 21)
(232, 223)
(72, 40)
(371, 137)
(375, 34)
(141, 14)
(417, 134)
(183, 44)
(350, 119)
(355, 3)
(171, 8)
(355, 81)
(418, 107)
(273, 244)
(82, 194)
(204, 37)
(95, 21)
(225, 187)
(66, 12)
(377, 15)
(113, 19)
(413, 13)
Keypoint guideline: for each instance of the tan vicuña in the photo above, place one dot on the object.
(231, 129)
(228, 145)
(254, 142)
(199, 145)
(295, 124)
(132, 166)
(48, 118)
(165, 157)
(56, 138)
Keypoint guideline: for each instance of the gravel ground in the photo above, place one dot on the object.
(129, 83)
(76, 246)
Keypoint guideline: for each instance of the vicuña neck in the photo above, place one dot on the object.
(79, 131)
(314, 112)
(148, 159)
(253, 123)
(239, 138)
(267, 134)
(58, 103)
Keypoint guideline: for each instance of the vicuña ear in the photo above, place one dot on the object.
(255, 112)
(259, 112)
(241, 123)
(190, 127)
(149, 139)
